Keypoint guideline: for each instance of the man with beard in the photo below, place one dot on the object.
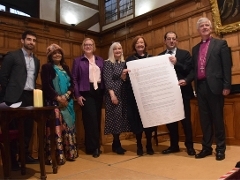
(18, 76)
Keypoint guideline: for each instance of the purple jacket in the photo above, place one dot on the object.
(80, 74)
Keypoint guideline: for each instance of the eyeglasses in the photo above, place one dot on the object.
(90, 45)
(169, 39)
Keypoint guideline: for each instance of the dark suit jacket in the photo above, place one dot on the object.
(14, 74)
(183, 68)
(218, 65)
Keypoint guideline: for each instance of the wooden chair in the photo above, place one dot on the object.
(14, 136)
(157, 133)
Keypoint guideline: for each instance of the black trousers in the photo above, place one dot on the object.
(91, 114)
(187, 127)
(211, 117)
(27, 100)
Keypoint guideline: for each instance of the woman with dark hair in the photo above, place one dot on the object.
(139, 47)
(57, 89)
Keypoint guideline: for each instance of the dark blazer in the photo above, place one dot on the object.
(47, 75)
(14, 74)
(218, 65)
(183, 68)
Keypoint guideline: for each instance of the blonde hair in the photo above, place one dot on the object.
(86, 39)
(203, 19)
(111, 54)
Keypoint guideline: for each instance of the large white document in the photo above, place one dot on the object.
(156, 90)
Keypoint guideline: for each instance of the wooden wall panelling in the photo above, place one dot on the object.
(236, 79)
(98, 51)
(236, 117)
(104, 52)
(43, 59)
(170, 27)
(195, 41)
(158, 50)
(184, 44)
(124, 46)
(122, 32)
(160, 18)
(229, 120)
(197, 132)
(193, 24)
(232, 40)
(76, 50)
(75, 36)
(2, 40)
(79, 125)
(108, 38)
(129, 50)
(148, 38)
(13, 41)
(158, 37)
(69, 62)
(67, 48)
(236, 62)
(182, 28)
(41, 45)
(139, 26)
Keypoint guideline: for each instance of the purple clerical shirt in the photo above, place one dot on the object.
(80, 74)
(202, 56)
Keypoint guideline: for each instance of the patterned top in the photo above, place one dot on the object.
(116, 115)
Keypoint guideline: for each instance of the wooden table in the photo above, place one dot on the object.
(40, 115)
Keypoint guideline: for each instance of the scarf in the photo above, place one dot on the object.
(61, 84)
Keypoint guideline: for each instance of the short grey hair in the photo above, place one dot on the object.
(203, 19)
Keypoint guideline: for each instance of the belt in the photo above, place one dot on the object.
(28, 91)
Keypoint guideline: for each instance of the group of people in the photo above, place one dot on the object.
(92, 79)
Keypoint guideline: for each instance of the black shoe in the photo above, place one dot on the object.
(170, 150)
(114, 149)
(15, 166)
(30, 160)
(238, 164)
(150, 151)
(220, 156)
(96, 153)
(140, 151)
(119, 150)
(203, 154)
(124, 150)
(191, 151)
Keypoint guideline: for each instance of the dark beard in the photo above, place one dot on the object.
(28, 48)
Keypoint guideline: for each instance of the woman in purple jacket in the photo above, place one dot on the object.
(88, 90)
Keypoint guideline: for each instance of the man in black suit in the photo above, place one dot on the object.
(212, 64)
(181, 60)
(18, 76)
